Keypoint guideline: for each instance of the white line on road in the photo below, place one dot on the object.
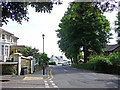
(51, 81)
(46, 84)
(53, 84)
(65, 70)
(45, 81)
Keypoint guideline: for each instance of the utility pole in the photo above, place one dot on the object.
(43, 53)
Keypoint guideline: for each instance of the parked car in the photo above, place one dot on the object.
(69, 63)
(59, 63)
(64, 63)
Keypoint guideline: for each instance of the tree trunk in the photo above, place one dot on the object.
(71, 60)
(75, 59)
(85, 53)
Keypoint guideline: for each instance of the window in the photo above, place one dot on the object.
(3, 36)
(2, 49)
(118, 34)
(6, 50)
(11, 39)
(119, 3)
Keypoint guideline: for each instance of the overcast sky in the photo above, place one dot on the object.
(30, 33)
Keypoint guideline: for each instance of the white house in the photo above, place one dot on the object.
(57, 59)
(6, 40)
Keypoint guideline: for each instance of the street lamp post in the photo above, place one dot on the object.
(43, 42)
(43, 53)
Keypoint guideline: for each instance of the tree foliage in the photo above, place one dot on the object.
(28, 51)
(18, 11)
(43, 59)
(82, 27)
(117, 24)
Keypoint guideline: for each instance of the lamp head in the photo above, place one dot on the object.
(43, 35)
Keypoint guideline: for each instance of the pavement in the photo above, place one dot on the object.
(59, 77)
(36, 80)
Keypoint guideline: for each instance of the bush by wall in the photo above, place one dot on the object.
(100, 64)
(115, 58)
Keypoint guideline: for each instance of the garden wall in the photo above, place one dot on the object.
(9, 68)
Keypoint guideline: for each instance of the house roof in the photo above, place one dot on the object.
(4, 31)
(111, 47)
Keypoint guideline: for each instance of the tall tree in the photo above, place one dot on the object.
(117, 29)
(28, 51)
(82, 27)
(43, 59)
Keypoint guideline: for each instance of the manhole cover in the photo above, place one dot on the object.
(4, 80)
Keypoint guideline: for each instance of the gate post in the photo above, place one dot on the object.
(17, 58)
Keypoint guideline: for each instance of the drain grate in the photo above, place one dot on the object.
(4, 80)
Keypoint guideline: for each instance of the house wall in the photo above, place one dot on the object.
(6, 42)
(0, 37)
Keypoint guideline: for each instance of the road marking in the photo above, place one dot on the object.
(33, 78)
(51, 74)
(51, 81)
(51, 77)
(45, 81)
(53, 84)
(65, 70)
(47, 86)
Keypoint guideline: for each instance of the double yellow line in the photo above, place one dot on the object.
(49, 74)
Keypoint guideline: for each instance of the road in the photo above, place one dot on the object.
(68, 77)
(62, 77)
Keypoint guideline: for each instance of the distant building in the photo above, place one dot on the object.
(6, 40)
(111, 48)
(57, 59)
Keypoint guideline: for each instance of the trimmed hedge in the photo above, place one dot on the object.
(99, 64)
(52, 63)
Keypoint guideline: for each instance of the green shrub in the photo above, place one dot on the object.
(52, 63)
(100, 63)
(115, 58)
